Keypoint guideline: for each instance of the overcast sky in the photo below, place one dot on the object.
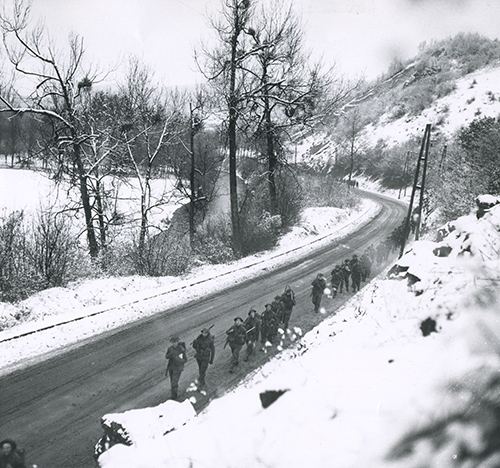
(360, 36)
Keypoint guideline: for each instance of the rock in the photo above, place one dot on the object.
(428, 326)
(485, 203)
(145, 424)
(268, 397)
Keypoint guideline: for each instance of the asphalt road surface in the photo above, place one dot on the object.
(53, 408)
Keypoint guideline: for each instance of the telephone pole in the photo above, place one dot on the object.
(422, 157)
(405, 171)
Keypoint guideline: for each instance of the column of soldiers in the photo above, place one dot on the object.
(264, 327)
(246, 333)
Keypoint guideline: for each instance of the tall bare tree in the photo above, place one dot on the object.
(153, 120)
(224, 70)
(57, 80)
(286, 87)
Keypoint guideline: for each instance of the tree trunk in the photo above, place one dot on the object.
(100, 212)
(233, 117)
(87, 209)
(271, 157)
(191, 179)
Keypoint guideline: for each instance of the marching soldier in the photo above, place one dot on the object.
(252, 327)
(205, 353)
(287, 301)
(346, 273)
(355, 268)
(336, 279)
(318, 286)
(236, 338)
(176, 356)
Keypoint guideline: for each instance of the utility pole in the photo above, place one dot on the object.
(422, 156)
(442, 160)
(405, 170)
(422, 186)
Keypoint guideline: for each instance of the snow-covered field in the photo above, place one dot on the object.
(48, 318)
(30, 191)
(404, 375)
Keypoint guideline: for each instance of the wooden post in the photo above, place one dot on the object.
(406, 230)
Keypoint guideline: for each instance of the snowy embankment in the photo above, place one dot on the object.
(404, 375)
(58, 317)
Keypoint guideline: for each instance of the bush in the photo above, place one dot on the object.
(213, 240)
(260, 231)
(328, 191)
(290, 199)
(53, 249)
(163, 255)
(35, 256)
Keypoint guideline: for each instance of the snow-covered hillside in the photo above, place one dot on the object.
(476, 95)
(405, 375)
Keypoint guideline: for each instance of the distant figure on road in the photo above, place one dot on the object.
(236, 338)
(337, 278)
(205, 354)
(269, 325)
(318, 286)
(252, 327)
(176, 356)
(288, 301)
(11, 457)
(366, 266)
(355, 267)
(346, 273)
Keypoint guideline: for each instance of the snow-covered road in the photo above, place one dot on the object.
(60, 400)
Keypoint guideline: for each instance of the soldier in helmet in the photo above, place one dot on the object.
(10, 456)
(336, 279)
(252, 326)
(318, 286)
(355, 268)
(236, 338)
(345, 270)
(287, 301)
(205, 353)
(176, 356)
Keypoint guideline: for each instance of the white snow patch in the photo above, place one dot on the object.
(360, 381)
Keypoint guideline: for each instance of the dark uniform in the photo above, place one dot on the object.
(355, 273)
(346, 273)
(177, 357)
(366, 266)
(318, 286)
(269, 325)
(236, 337)
(10, 457)
(336, 279)
(288, 301)
(205, 353)
(252, 327)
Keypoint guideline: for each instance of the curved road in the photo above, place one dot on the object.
(53, 408)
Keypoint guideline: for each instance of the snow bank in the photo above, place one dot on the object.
(111, 302)
(368, 387)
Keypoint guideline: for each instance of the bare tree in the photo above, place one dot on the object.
(153, 121)
(57, 82)
(224, 70)
(287, 90)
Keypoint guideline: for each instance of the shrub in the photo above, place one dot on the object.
(53, 249)
(213, 240)
(162, 255)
